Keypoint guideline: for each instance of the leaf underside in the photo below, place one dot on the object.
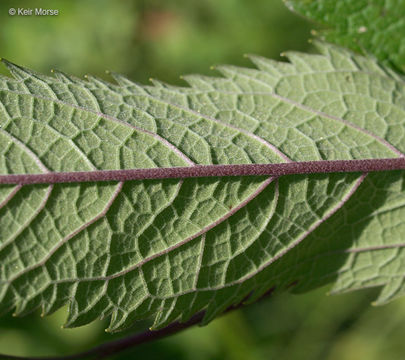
(170, 248)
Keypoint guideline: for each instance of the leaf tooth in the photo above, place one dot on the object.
(171, 87)
(160, 84)
(26, 306)
(97, 311)
(230, 71)
(56, 296)
(181, 309)
(227, 71)
(118, 320)
(22, 73)
(263, 63)
(392, 290)
(200, 82)
(48, 306)
(309, 62)
(17, 71)
(88, 304)
(18, 307)
(345, 59)
(65, 78)
(322, 47)
(98, 82)
(122, 319)
(212, 312)
(189, 304)
(62, 77)
(370, 64)
(123, 81)
(72, 314)
(221, 301)
(341, 58)
(163, 316)
(26, 303)
(249, 80)
(328, 48)
(71, 321)
(275, 68)
(259, 292)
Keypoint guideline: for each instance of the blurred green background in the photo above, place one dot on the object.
(164, 39)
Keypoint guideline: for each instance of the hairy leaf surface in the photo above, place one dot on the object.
(375, 27)
(169, 248)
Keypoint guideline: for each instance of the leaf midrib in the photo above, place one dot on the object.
(178, 172)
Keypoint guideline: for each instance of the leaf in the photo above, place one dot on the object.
(168, 248)
(376, 27)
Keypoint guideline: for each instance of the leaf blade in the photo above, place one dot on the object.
(169, 248)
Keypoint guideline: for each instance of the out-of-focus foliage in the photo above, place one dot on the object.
(311, 327)
(147, 38)
(375, 27)
(164, 39)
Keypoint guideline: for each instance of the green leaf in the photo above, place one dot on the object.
(168, 248)
(376, 27)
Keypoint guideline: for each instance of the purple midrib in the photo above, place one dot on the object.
(305, 167)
